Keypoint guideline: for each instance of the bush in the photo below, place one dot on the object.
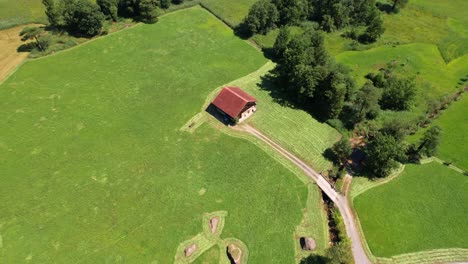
(83, 18)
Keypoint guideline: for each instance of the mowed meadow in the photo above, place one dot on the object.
(95, 169)
(422, 209)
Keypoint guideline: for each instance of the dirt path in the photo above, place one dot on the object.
(340, 201)
(9, 57)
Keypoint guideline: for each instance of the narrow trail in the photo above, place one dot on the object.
(340, 201)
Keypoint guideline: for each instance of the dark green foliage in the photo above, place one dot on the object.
(312, 78)
(342, 150)
(366, 105)
(163, 3)
(34, 33)
(430, 141)
(52, 13)
(315, 259)
(374, 28)
(398, 3)
(291, 11)
(143, 10)
(340, 252)
(83, 18)
(281, 42)
(108, 8)
(128, 8)
(149, 11)
(397, 128)
(262, 17)
(382, 154)
(177, 2)
(337, 14)
(398, 94)
(304, 64)
(331, 93)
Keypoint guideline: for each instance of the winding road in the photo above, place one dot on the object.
(341, 202)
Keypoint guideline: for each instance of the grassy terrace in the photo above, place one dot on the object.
(93, 158)
(422, 209)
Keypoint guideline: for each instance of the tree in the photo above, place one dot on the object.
(291, 12)
(430, 141)
(382, 154)
(108, 8)
(330, 94)
(128, 8)
(281, 42)
(164, 3)
(262, 17)
(398, 128)
(52, 13)
(367, 103)
(342, 150)
(83, 18)
(149, 11)
(314, 259)
(398, 94)
(374, 29)
(34, 33)
(398, 3)
(177, 2)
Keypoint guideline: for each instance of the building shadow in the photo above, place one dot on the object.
(219, 115)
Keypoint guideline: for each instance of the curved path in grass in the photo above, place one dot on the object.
(340, 201)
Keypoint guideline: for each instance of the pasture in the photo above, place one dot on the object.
(454, 142)
(19, 12)
(422, 209)
(231, 12)
(96, 169)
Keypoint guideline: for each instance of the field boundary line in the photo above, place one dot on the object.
(378, 182)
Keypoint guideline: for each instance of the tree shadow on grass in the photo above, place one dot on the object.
(277, 89)
(387, 8)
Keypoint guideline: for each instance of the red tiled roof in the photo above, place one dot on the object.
(231, 100)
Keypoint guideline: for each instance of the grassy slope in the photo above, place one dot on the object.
(232, 12)
(96, 169)
(454, 142)
(16, 12)
(424, 208)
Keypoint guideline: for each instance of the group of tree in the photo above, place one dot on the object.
(86, 18)
(310, 76)
(330, 15)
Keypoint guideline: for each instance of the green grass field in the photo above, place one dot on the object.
(95, 169)
(422, 209)
(454, 143)
(232, 12)
(18, 12)
(294, 129)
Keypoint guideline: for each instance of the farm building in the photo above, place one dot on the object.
(235, 104)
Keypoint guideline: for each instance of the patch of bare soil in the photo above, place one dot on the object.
(9, 57)
(190, 250)
(214, 224)
(234, 253)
